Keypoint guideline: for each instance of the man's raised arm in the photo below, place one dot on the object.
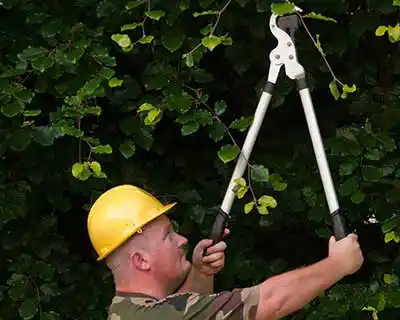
(286, 293)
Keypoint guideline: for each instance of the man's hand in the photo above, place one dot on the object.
(209, 260)
(347, 253)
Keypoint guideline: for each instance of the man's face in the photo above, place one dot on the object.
(169, 262)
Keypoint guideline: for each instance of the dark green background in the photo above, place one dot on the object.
(48, 268)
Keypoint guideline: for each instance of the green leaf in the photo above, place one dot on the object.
(123, 40)
(248, 207)
(240, 192)
(228, 153)
(309, 195)
(241, 182)
(115, 82)
(216, 131)
(131, 26)
(319, 45)
(173, 38)
(189, 128)
(25, 96)
(259, 173)
(77, 169)
(146, 39)
(19, 139)
(348, 168)
(93, 110)
(396, 3)
(96, 168)
(134, 4)
(267, 201)
(153, 116)
(281, 9)
(313, 15)
(81, 171)
(32, 113)
(211, 42)
(393, 195)
(390, 278)
(51, 315)
(391, 224)
(374, 154)
(44, 135)
(277, 182)
(155, 14)
(127, 148)
(89, 87)
(220, 107)
(334, 89)
(371, 173)
(43, 271)
(145, 107)
(32, 53)
(358, 197)
(12, 109)
(102, 149)
(42, 64)
(28, 308)
(189, 60)
(242, 124)
(350, 186)
(262, 210)
(394, 33)
(349, 89)
(204, 13)
(389, 236)
(18, 286)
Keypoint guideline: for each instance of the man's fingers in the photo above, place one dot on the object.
(226, 232)
(203, 244)
(218, 264)
(213, 257)
(353, 236)
(220, 246)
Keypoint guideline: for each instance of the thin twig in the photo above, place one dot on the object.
(198, 96)
(219, 14)
(315, 43)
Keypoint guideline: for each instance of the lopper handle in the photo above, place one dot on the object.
(218, 227)
(339, 225)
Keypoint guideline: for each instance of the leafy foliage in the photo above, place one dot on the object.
(161, 94)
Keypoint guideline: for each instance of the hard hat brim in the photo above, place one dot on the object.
(164, 210)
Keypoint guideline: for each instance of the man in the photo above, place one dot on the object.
(129, 228)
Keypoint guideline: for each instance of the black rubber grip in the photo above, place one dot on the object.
(339, 225)
(219, 226)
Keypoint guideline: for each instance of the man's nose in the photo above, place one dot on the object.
(182, 240)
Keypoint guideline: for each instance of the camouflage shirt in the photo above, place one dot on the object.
(238, 304)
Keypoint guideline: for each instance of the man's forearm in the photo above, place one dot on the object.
(291, 291)
(197, 282)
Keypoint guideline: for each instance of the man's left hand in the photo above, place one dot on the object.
(213, 259)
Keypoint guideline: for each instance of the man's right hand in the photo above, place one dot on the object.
(346, 253)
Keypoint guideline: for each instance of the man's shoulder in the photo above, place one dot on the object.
(240, 303)
(135, 300)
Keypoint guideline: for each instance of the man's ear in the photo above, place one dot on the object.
(140, 260)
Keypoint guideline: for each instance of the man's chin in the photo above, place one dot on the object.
(188, 266)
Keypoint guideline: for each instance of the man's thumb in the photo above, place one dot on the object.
(203, 244)
(332, 241)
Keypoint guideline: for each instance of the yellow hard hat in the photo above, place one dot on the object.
(118, 214)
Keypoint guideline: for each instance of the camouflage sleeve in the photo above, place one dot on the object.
(238, 304)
